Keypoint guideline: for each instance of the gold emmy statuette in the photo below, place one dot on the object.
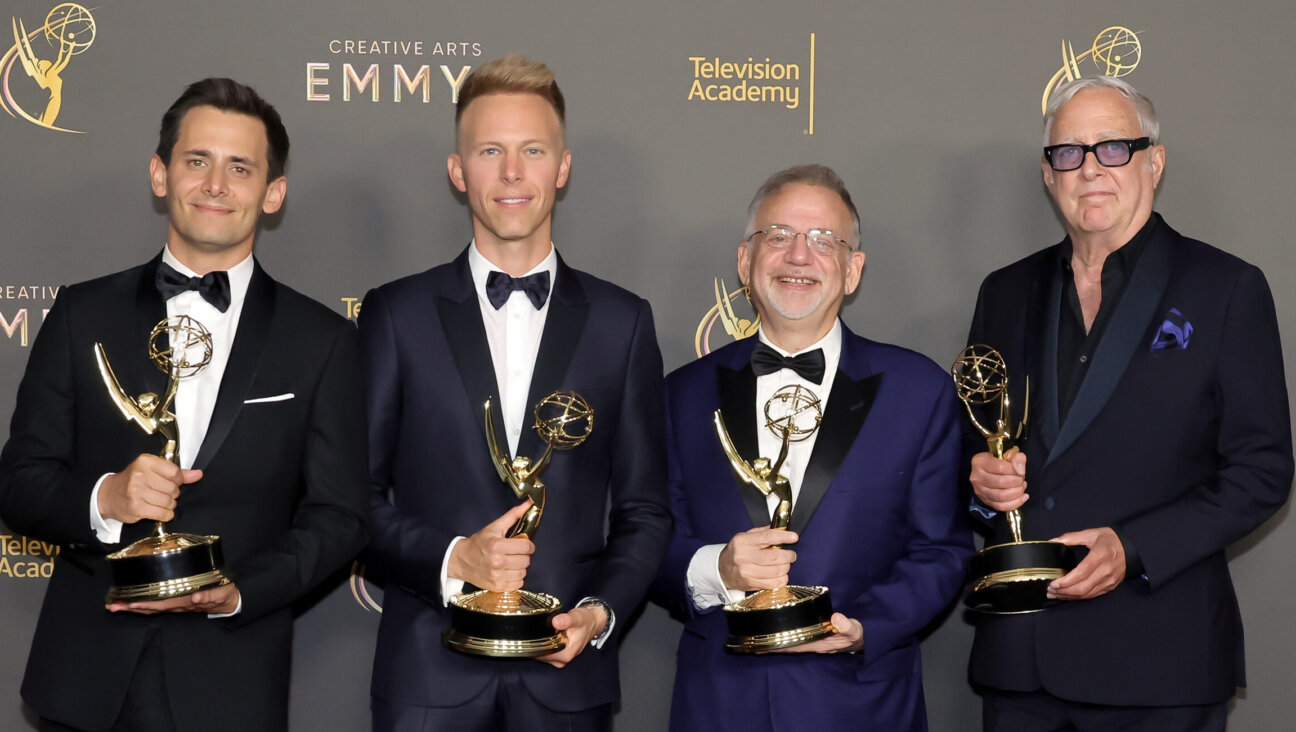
(519, 624)
(767, 620)
(165, 564)
(1007, 578)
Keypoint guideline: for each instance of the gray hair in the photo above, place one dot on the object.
(1143, 109)
(820, 176)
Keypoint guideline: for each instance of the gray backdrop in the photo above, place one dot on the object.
(929, 109)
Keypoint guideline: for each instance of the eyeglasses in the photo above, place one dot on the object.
(1109, 153)
(820, 241)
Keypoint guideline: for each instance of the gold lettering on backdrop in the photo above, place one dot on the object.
(352, 305)
(753, 79)
(1116, 51)
(319, 78)
(68, 31)
(22, 557)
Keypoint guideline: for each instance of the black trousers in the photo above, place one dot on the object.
(1040, 711)
(147, 707)
(504, 704)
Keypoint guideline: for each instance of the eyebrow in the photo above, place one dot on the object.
(233, 158)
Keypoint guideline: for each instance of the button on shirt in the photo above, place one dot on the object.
(704, 582)
(196, 395)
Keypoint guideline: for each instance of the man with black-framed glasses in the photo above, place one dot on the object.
(1160, 435)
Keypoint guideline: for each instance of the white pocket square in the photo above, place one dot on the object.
(275, 398)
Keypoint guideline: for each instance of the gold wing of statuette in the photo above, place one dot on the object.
(128, 406)
(497, 456)
(740, 466)
(738, 328)
(25, 52)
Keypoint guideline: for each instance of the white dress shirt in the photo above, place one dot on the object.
(704, 583)
(196, 395)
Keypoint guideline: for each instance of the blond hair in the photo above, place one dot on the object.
(511, 74)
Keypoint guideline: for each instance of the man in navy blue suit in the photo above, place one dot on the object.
(508, 320)
(876, 511)
(1160, 436)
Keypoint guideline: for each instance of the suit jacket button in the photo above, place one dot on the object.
(1048, 503)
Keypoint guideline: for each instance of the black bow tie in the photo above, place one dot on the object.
(808, 365)
(214, 287)
(499, 286)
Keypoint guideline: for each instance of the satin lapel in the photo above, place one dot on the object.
(249, 342)
(461, 320)
(737, 390)
(135, 369)
(564, 325)
(1044, 413)
(849, 403)
(1124, 335)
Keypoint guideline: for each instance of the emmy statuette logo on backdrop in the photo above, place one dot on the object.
(68, 32)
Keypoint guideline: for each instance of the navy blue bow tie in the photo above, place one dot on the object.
(808, 365)
(499, 286)
(214, 287)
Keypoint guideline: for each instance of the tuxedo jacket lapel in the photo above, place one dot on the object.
(737, 391)
(849, 403)
(461, 320)
(249, 343)
(136, 369)
(1045, 312)
(1124, 335)
(564, 324)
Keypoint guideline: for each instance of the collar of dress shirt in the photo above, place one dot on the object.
(830, 343)
(240, 276)
(480, 267)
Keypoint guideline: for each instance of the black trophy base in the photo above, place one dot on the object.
(769, 620)
(504, 624)
(164, 566)
(1012, 579)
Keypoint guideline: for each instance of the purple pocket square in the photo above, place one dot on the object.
(1175, 332)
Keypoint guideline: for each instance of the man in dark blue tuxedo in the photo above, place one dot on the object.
(876, 515)
(1160, 436)
(509, 320)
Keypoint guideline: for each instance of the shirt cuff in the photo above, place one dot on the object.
(107, 530)
(703, 579)
(237, 609)
(449, 587)
(981, 509)
(598, 640)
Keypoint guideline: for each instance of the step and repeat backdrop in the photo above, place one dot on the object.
(677, 111)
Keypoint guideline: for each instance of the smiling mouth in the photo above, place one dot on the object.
(799, 281)
(209, 209)
(512, 201)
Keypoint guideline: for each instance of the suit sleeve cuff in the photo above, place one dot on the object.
(703, 581)
(107, 530)
(1133, 562)
(449, 587)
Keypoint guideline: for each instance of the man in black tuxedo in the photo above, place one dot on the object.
(508, 320)
(1160, 436)
(271, 455)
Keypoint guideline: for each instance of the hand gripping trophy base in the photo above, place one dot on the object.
(516, 624)
(1010, 578)
(770, 620)
(519, 624)
(1013, 578)
(164, 566)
